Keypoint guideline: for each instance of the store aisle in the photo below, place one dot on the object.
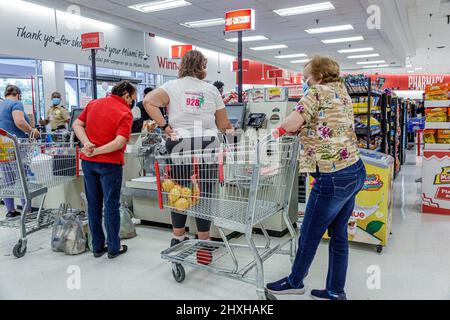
(413, 266)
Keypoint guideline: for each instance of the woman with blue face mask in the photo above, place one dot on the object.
(57, 116)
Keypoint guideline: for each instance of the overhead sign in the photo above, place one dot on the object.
(273, 74)
(245, 65)
(92, 40)
(240, 20)
(179, 51)
(411, 82)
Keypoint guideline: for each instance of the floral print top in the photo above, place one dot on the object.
(328, 137)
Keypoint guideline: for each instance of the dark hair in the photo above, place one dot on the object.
(193, 65)
(148, 90)
(12, 90)
(122, 88)
(218, 84)
(56, 94)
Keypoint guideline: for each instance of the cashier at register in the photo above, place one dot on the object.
(325, 121)
(57, 115)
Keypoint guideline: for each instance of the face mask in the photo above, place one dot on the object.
(56, 101)
(305, 88)
(132, 104)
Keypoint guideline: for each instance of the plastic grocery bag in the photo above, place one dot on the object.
(75, 239)
(127, 228)
(57, 241)
(41, 167)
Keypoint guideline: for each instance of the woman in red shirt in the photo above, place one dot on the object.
(104, 128)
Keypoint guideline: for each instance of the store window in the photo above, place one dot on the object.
(85, 92)
(84, 71)
(70, 70)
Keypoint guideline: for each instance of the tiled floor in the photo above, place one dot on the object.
(415, 265)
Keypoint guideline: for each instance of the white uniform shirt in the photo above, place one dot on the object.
(192, 108)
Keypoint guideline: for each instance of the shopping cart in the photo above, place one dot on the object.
(151, 144)
(236, 187)
(27, 170)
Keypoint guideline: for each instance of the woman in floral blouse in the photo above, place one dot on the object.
(325, 122)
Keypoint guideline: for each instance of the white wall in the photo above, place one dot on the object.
(53, 77)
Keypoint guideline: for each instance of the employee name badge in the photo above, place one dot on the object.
(194, 102)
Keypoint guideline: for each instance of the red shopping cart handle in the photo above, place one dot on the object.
(3, 132)
(279, 132)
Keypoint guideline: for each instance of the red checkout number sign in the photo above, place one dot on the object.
(179, 51)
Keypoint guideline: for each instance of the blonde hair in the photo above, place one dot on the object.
(324, 69)
(193, 65)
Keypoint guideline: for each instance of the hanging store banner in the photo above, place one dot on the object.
(411, 82)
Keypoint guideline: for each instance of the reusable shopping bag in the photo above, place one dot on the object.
(75, 239)
(127, 228)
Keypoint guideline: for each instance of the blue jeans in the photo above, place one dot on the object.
(329, 207)
(102, 184)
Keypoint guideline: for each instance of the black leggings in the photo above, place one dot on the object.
(183, 172)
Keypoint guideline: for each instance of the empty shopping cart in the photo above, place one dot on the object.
(236, 187)
(29, 168)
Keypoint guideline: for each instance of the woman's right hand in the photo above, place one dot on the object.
(34, 134)
(170, 133)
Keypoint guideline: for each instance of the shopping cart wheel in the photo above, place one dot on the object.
(270, 296)
(20, 249)
(178, 272)
(379, 249)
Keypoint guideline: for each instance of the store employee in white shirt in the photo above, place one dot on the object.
(196, 113)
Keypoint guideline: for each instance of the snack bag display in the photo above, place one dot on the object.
(436, 114)
(443, 136)
(429, 136)
(437, 91)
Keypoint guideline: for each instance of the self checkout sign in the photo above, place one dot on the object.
(240, 20)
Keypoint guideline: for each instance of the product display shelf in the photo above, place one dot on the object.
(438, 125)
(374, 136)
(395, 132)
(437, 104)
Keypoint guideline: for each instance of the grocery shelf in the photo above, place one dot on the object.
(437, 104)
(438, 125)
(437, 146)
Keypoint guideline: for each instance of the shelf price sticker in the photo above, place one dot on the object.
(194, 102)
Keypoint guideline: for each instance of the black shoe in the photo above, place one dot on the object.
(174, 241)
(98, 254)
(12, 215)
(121, 251)
(325, 295)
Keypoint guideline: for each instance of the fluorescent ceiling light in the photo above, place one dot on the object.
(350, 39)
(419, 69)
(371, 62)
(248, 39)
(154, 6)
(356, 50)
(409, 65)
(323, 6)
(300, 61)
(204, 23)
(372, 55)
(410, 71)
(290, 56)
(344, 27)
(273, 47)
(375, 67)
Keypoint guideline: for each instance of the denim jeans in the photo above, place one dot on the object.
(329, 207)
(102, 184)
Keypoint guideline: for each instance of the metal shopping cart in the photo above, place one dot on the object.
(236, 187)
(27, 170)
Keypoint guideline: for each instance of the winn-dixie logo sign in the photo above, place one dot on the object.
(373, 183)
(165, 63)
(420, 82)
(443, 177)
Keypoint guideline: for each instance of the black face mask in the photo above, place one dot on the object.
(133, 104)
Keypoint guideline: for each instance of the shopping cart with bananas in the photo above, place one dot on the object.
(236, 187)
(28, 169)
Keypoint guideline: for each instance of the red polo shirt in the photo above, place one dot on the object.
(106, 119)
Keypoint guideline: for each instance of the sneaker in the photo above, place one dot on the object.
(283, 287)
(12, 215)
(174, 241)
(325, 295)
